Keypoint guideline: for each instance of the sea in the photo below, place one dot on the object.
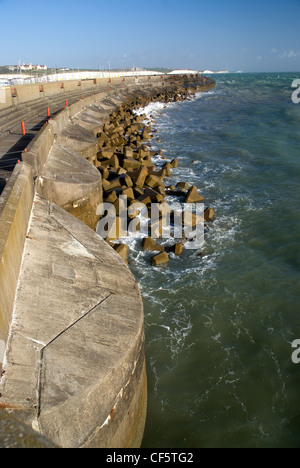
(220, 322)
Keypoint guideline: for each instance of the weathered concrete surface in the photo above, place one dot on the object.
(71, 182)
(74, 364)
(15, 210)
(92, 118)
(16, 434)
(80, 140)
(38, 149)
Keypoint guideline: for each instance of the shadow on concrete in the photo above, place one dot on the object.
(14, 154)
(39, 125)
(2, 184)
(4, 176)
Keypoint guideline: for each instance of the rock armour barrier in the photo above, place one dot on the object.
(71, 318)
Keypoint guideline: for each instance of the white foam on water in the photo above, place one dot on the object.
(201, 95)
(151, 109)
(168, 317)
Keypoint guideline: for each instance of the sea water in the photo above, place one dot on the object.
(220, 323)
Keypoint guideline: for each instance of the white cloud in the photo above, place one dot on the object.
(292, 54)
(274, 51)
(289, 54)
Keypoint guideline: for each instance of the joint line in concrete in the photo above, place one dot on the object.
(52, 341)
(74, 237)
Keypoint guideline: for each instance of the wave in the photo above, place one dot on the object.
(155, 108)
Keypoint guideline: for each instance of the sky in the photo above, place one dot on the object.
(249, 36)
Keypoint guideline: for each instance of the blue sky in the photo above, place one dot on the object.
(234, 35)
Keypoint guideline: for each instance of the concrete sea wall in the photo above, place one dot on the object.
(15, 95)
(75, 362)
(72, 344)
(15, 210)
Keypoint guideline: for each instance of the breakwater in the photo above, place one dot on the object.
(134, 186)
(72, 361)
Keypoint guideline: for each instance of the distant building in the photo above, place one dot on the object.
(27, 67)
(39, 67)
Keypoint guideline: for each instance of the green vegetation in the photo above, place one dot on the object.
(4, 70)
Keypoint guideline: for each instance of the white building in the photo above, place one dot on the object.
(27, 67)
(39, 67)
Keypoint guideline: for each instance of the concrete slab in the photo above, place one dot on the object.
(93, 117)
(77, 338)
(79, 139)
(72, 183)
(15, 210)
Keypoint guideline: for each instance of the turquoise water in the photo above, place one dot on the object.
(219, 327)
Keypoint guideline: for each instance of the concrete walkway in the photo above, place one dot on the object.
(77, 325)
